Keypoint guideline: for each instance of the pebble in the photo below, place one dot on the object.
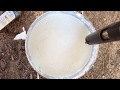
(103, 77)
(12, 58)
(104, 19)
(2, 53)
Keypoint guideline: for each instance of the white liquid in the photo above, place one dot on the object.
(57, 45)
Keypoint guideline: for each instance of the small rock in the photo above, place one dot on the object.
(38, 77)
(110, 69)
(2, 53)
(31, 77)
(103, 77)
(104, 19)
(12, 58)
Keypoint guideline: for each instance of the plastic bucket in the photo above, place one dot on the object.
(78, 73)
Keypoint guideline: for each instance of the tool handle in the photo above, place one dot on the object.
(108, 34)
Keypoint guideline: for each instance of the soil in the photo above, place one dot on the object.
(14, 63)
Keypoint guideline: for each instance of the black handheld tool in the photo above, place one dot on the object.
(108, 34)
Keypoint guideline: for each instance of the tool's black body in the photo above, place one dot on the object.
(107, 34)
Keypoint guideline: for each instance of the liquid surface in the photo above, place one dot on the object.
(57, 45)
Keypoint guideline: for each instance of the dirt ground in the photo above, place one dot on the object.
(14, 63)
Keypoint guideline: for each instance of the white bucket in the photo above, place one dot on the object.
(39, 53)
